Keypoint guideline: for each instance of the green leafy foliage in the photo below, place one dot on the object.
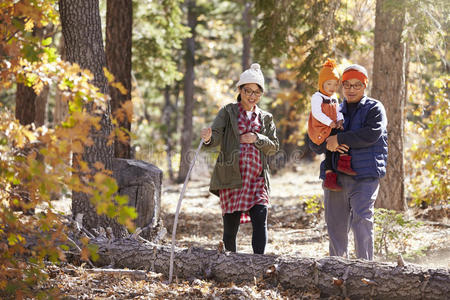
(392, 232)
(157, 34)
(425, 19)
(430, 152)
(304, 31)
(217, 65)
(297, 37)
(428, 105)
(314, 204)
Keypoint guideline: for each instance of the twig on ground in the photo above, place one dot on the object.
(79, 249)
(174, 231)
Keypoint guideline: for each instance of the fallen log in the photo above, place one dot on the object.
(332, 275)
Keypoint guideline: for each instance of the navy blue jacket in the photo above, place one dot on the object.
(366, 134)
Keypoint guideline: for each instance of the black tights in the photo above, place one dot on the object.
(258, 216)
(329, 154)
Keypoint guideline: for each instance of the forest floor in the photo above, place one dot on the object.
(291, 230)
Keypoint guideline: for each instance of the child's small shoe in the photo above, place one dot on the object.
(345, 166)
(330, 182)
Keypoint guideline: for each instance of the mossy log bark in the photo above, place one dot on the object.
(356, 279)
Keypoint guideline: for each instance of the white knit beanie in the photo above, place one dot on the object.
(358, 68)
(252, 75)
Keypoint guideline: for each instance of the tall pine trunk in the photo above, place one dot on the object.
(389, 86)
(81, 27)
(167, 120)
(25, 104)
(61, 109)
(41, 106)
(186, 135)
(30, 107)
(246, 36)
(119, 19)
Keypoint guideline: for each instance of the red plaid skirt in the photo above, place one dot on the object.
(253, 189)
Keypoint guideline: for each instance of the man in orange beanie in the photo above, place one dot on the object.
(325, 119)
(365, 132)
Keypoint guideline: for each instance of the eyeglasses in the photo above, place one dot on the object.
(356, 86)
(250, 92)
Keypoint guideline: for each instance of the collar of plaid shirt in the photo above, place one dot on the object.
(251, 115)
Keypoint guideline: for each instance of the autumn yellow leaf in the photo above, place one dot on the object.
(111, 138)
(119, 114)
(29, 25)
(128, 108)
(120, 87)
(30, 136)
(99, 166)
(77, 147)
(108, 75)
(122, 136)
(85, 254)
(38, 87)
(100, 177)
(84, 166)
(19, 139)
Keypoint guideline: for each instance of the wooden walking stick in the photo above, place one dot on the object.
(174, 230)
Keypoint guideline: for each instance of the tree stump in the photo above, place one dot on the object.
(141, 182)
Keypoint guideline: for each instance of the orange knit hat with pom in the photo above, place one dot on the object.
(327, 72)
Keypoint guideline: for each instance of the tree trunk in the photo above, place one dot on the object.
(41, 106)
(61, 107)
(119, 19)
(390, 88)
(186, 136)
(30, 107)
(246, 36)
(25, 104)
(168, 129)
(332, 275)
(81, 27)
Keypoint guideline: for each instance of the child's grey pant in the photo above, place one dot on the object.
(353, 207)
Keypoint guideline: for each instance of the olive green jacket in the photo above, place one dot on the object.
(225, 132)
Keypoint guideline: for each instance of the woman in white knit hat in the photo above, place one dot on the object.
(247, 136)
